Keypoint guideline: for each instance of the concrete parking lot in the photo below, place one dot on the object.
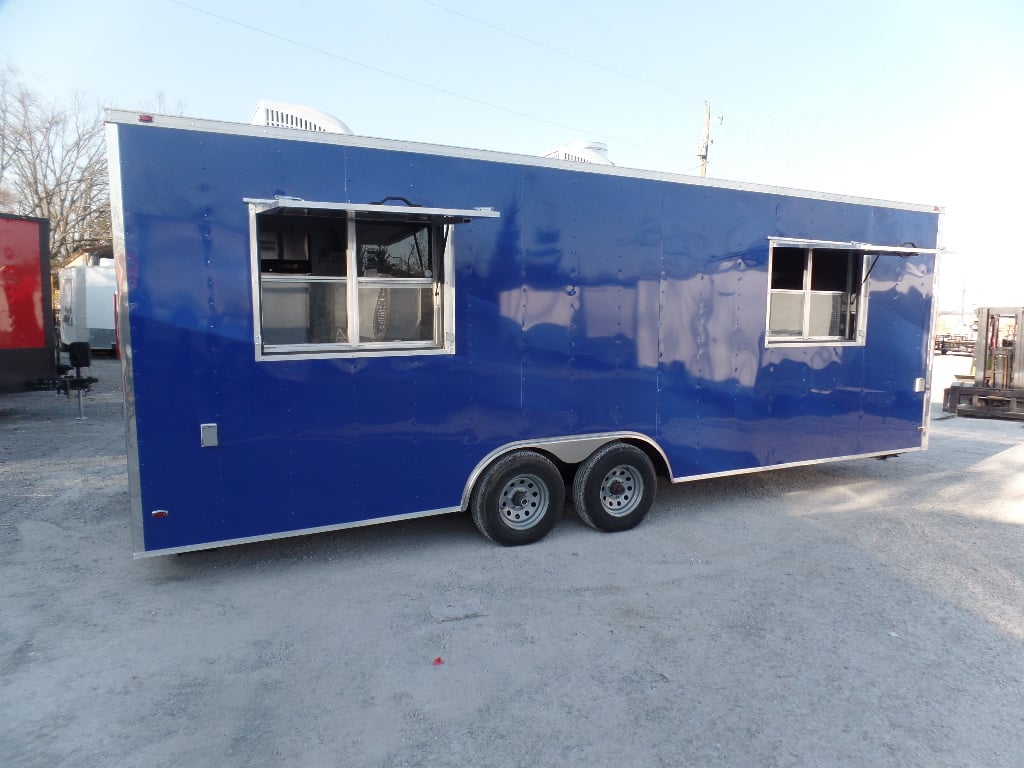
(865, 613)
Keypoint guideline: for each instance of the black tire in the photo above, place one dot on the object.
(614, 488)
(518, 499)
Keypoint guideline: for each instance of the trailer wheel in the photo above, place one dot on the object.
(614, 488)
(518, 499)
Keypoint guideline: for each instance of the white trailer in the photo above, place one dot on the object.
(88, 288)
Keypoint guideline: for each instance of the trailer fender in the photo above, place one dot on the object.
(570, 450)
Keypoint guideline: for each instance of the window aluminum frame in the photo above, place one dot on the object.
(854, 306)
(437, 219)
(859, 295)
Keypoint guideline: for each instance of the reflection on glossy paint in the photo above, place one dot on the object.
(712, 323)
(21, 297)
(529, 307)
(712, 327)
(610, 310)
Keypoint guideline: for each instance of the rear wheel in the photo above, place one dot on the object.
(518, 499)
(614, 488)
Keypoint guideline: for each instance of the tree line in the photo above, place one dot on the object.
(53, 165)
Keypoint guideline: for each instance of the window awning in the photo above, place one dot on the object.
(849, 245)
(371, 210)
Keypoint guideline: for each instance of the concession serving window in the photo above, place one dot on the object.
(337, 279)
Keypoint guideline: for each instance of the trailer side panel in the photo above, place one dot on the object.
(597, 303)
(26, 314)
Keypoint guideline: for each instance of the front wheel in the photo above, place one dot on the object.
(518, 499)
(614, 488)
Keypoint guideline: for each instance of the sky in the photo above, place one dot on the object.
(902, 100)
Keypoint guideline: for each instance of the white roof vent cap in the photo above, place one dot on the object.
(278, 114)
(595, 152)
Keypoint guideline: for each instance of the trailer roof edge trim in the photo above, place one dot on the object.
(150, 119)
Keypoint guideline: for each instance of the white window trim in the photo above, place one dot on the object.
(444, 295)
(867, 249)
(859, 333)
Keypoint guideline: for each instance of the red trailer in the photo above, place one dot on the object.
(27, 339)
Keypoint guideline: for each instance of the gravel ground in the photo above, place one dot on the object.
(866, 613)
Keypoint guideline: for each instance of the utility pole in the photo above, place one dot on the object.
(705, 141)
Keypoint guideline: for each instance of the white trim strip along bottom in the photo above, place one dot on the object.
(793, 464)
(450, 510)
(289, 534)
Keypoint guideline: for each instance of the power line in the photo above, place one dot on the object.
(410, 80)
(413, 81)
(545, 46)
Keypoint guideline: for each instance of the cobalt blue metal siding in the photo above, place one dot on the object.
(595, 303)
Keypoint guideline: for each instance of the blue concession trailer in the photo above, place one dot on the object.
(321, 331)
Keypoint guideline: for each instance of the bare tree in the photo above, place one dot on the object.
(6, 140)
(53, 165)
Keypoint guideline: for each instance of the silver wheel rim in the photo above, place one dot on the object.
(523, 501)
(622, 490)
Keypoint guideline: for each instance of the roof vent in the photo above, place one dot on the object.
(278, 114)
(581, 152)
